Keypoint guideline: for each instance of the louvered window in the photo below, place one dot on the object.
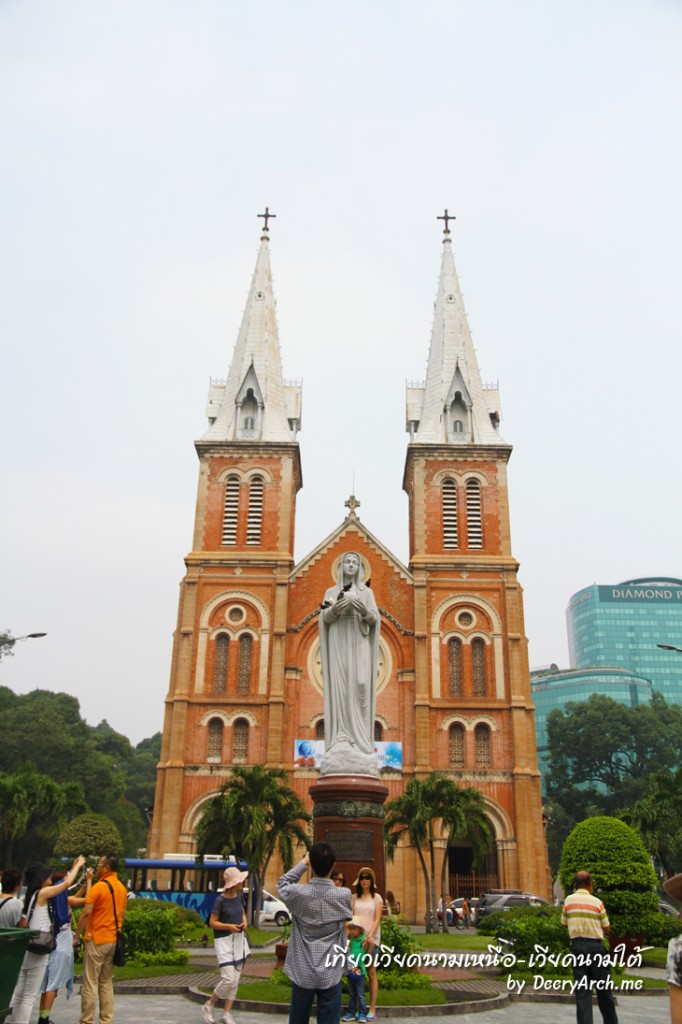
(474, 519)
(244, 664)
(222, 646)
(214, 752)
(240, 742)
(255, 514)
(478, 663)
(482, 737)
(450, 538)
(456, 735)
(455, 666)
(319, 730)
(231, 510)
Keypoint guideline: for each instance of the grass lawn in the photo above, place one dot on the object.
(454, 940)
(655, 957)
(261, 990)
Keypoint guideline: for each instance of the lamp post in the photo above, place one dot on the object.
(670, 647)
(7, 641)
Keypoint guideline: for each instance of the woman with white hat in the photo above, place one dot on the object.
(228, 921)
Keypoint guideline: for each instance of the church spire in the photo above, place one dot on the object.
(452, 406)
(254, 403)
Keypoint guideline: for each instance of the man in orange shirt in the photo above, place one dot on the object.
(98, 924)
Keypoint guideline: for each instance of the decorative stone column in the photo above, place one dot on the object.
(348, 813)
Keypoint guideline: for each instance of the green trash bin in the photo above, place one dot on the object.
(13, 943)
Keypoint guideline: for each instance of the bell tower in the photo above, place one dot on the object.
(473, 709)
(225, 703)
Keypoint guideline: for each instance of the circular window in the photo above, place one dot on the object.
(465, 619)
(235, 614)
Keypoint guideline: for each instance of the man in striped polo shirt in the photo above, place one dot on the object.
(587, 922)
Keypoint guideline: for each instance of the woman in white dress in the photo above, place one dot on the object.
(368, 905)
(38, 891)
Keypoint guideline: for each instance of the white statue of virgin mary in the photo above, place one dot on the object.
(349, 646)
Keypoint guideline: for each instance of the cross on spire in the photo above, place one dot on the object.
(268, 216)
(352, 504)
(446, 217)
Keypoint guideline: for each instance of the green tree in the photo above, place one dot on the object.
(90, 835)
(254, 815)
(33, 807)
(620, 866)
(117, 779)
(464, 819)
(427, 809)
(657, 816)
(7, 642)
(600, 755)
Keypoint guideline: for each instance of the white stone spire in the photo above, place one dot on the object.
(452, 406)
(254, 403)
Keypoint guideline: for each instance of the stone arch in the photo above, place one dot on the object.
(495, 637)
(204, 635)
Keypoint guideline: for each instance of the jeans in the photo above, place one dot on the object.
(356, 994)
(588, 973)
(328, 1004)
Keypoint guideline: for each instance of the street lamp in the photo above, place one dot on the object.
(29, 636)
(670, 647)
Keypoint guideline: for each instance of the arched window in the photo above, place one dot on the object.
(254, 518)
(214, 752)
(456, 737)
(482, 738)
(458, 427)
(231, 510)
(222, 646)
(240, 742)
(474, 519)
(244, 663)
(455, 666)
(378, 732)
(319, 730)
(478, 665)
(450, 537)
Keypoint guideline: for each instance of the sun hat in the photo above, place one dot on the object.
(673, 887)
(357, 922)
(233, 876)
(366, 871)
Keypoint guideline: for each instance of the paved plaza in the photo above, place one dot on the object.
(178, 1009)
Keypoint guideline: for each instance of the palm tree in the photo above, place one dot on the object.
(254, 815)
(463, 817)
(430, 806)
(410, 816)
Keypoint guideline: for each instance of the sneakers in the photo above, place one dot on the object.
(348, 1016)
(228, 1018)
(362, 1019)
(207, 1013)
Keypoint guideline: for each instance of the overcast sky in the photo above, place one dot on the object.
(139, 141)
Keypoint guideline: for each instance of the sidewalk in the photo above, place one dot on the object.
(177, 1009)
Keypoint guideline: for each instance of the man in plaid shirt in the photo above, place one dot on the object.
(319, 912)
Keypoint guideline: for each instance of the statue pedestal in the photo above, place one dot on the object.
(348, 813)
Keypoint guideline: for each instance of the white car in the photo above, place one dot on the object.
(274, 910)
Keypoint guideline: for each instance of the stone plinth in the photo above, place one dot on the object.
(348, 813)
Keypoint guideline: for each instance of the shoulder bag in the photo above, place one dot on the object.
(120, 948)
(42, 943)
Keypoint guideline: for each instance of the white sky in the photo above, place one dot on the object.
(139, 141)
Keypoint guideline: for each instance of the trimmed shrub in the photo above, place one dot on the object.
(149, 927)
(530, 929)
(620, 866)
(397, 938)
(172, 958)
(661, 928)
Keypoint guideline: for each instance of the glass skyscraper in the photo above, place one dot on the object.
(621, 625)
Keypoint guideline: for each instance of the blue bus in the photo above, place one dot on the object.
(179, 878)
